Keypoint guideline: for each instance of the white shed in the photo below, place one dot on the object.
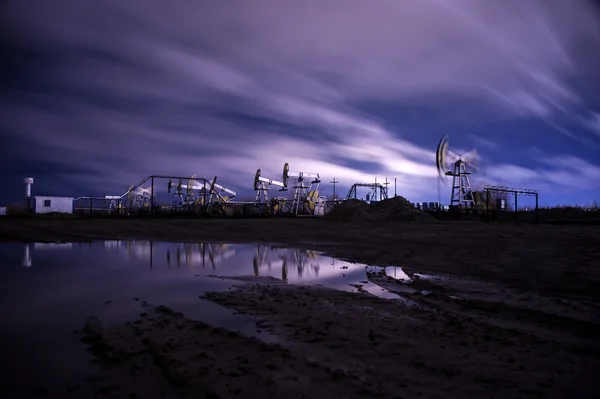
(3, 211)
(53, 204)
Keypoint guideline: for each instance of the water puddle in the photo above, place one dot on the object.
(53, 288)
(288, 265)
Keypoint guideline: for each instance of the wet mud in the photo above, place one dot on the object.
(337, 343)
(487, 311)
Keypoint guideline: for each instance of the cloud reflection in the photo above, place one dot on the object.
(292, 265)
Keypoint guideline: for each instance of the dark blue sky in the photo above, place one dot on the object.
(97, 96)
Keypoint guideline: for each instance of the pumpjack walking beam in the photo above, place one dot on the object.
(262, 185)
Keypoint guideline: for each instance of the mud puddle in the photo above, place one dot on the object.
(55, 286)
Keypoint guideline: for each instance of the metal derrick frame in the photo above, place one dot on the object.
(516, 192)
(462, 193)
(383, 195)
(462, 196)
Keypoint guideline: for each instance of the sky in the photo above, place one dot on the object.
(98, 95)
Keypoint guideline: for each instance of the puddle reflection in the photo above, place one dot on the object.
(55, 287)
(293, 265)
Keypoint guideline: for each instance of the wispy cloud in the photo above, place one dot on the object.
(593, 123)
(560, 172)
(483, 142)
(134, 88)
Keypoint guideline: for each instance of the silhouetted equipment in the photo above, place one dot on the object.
(306, 200)
(377, 192)
(334, 182)
(459, 167)
(501, 203)
(262, 185)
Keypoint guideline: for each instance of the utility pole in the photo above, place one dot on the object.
(334, 182)
(386, 186)
(375, 191)
(395, 195)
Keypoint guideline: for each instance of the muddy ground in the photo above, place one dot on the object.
(491, 310)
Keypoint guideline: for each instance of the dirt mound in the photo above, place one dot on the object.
(392, 209)
(398, 208)
(349, 210)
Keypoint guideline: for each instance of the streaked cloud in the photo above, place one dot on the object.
(135, 88)
(593, 123)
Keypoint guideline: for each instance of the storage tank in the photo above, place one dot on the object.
(28, 182)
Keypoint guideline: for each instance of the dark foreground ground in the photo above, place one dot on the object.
(492, 311)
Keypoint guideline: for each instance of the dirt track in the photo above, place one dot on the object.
(513, 311)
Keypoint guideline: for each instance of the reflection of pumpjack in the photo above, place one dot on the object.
(199, 253)
(284, 256)
(133, 248)
(138, 249)
(261, 259)
(305, 259)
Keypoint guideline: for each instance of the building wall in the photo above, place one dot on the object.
(2, 210)
(53, 204)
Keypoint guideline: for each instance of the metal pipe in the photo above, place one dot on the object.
(536, 209)
(98, 198)
(513, 190)
(225, 189)
(303, 174)
(136, 186)
(151, 205)
(271, 181)
(161, 177)
(516, 209)
(487, 205)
